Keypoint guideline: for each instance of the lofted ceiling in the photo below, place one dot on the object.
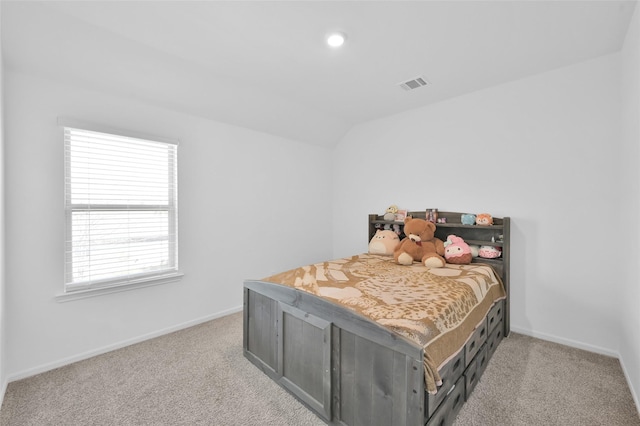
(264, 65)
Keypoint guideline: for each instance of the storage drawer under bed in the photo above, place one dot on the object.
(477, 366)
(449, 374)
(472, 360)
(495, 337)
(447, 412)
(474, 371)
(476, 341)
(495, 315)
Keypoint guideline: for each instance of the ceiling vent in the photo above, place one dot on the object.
(414, 84)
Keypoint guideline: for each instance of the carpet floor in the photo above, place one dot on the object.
(198, 376)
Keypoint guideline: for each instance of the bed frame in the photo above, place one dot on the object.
(351, 371)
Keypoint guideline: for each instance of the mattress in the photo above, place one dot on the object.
(438, 309)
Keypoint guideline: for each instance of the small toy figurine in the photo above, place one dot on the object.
(390, 213)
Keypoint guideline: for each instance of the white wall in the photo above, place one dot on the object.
(3, 377)
(245, 201)
(630, 179)
(542, 150)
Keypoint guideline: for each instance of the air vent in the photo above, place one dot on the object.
(414, 84)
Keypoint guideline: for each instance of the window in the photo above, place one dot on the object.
(121, 210)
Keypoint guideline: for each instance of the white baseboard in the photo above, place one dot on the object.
(634, 392)
(3, 390)
(566, 342)
(70, 360)
(586, 347)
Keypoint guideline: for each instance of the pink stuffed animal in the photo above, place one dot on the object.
(490, 252)
(456, 251)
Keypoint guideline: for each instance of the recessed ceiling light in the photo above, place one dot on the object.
(336, 39)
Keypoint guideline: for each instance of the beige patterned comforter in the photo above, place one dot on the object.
(438, 309)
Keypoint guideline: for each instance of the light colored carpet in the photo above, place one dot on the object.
(533, 382)
(199, 376)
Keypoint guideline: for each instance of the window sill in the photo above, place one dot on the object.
(92, 292)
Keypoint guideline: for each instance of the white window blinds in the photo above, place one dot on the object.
(121, 209)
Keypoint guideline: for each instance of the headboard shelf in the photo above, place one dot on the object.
(472, 234)
(460, 225)
(481, 242)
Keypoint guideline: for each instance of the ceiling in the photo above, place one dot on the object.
(264, 65)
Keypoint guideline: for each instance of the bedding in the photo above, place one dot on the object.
(437, 309)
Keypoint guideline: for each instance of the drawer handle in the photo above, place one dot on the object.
(450, 390)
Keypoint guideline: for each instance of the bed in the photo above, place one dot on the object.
(363, 341)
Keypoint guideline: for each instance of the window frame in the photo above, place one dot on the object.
(74, 290)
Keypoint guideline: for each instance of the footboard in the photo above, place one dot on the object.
(346, 369)
(351, 371)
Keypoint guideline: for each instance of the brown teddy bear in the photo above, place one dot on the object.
(420, 244)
